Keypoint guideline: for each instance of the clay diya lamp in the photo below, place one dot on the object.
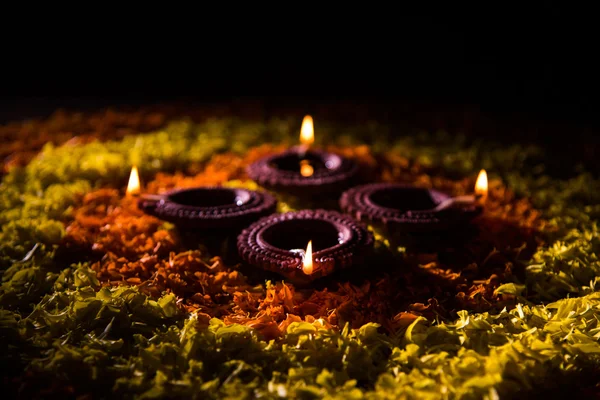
(277, 243)
(214, 208)
(412, 215)
(303, 171)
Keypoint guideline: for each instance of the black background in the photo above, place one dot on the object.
(532, 78)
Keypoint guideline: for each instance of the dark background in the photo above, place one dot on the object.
(512, 80)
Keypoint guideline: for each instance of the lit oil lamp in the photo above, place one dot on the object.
(209, 207)
(212, 207)
(400, 209)
(276, 243)
(303, 170)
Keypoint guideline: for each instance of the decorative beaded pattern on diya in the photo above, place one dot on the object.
(210, 207)
(275, 243)
(331, 173)
(402, 206)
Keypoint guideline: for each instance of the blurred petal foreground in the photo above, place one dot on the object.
(99, 300)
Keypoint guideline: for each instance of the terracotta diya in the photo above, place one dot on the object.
(401, 209)
(304, 171)
(333, 241)
(218, 208)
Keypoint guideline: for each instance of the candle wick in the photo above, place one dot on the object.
(458, 201)
(302, 150)
(151, 197)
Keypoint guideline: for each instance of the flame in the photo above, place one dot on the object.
(306, 169)
(133, 187)
(307, 132)
(481, 186)
(307, 263)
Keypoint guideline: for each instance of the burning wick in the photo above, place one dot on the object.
(481, 191)
(133, 187)
(307, 135)
(307, 131)
(481, 186)
(307, 262)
